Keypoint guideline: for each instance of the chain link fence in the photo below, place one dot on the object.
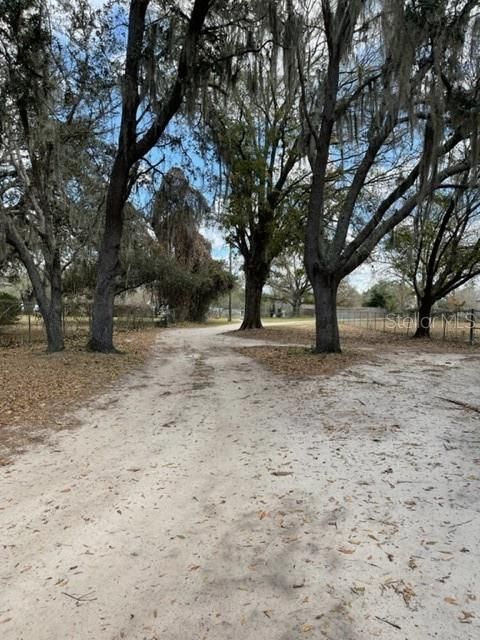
(26, 326)
(463, 326)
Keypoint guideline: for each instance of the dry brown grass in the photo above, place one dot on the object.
(353, 337)
(36, 388)
(389, 340)
(359, 345)
(301, 362)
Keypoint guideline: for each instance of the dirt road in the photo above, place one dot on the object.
(208, 499)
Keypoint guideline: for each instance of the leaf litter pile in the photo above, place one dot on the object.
(36, 388)
(298, 362)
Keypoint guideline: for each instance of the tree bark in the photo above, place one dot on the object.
(255, 278)
(108, 266)
(53, 315)
(327, 338)
(51, 308)
(424, 317)
(54, 329)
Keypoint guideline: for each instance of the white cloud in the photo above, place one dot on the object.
(216, 239)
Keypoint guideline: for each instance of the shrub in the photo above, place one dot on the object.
(10, 308)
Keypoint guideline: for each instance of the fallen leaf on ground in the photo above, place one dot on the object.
(466, 617)
(358, 590)
(408, 594)
(38, 388)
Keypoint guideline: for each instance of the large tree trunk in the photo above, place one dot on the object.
(108, 266)
(255, 278)
(52, 316)
(425, 305)
(101, 338)
(327, 338)
(54, 329)
(50, 308)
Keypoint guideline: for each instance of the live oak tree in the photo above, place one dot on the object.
(47, 133)
(438, 249)
(256, 133)
(27, 207)
(170, 56)
(390, 94)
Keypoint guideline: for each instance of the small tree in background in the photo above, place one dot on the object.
(381, 295)
(348, 295)
(289, 280)
(190, 279)
(438, 250)
(10, 308)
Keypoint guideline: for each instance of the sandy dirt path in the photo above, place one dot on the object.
(206, 498)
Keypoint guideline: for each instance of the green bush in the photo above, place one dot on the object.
(10, 308)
